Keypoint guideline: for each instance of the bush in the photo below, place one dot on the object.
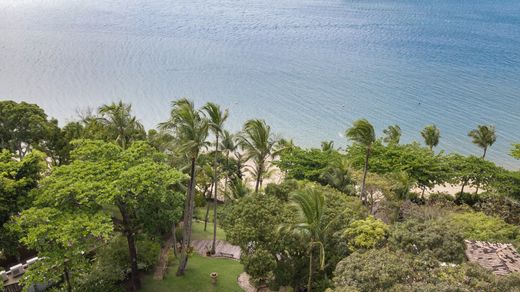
(282, 190)
(365, 234)
(259, 265)
(432, 236)
(479, 226)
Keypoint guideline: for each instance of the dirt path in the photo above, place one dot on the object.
(222, 248)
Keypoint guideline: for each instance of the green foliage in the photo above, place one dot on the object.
(259, 265)
(515, 152)
(431, 135)
(366, 234)
(479, 226)
(306, 164)
(432, 236)
(361, 132)
(483, 136)
(17, 180)
(392, 134)
(282, 190)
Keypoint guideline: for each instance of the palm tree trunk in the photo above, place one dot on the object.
(258, 177)
(309, 282)
(188, 216)
(215, 178)
(206, 217)
(484, 155)
(365, 170)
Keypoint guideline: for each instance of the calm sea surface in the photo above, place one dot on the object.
(308, 67)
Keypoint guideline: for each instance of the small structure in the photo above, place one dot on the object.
(500, 258)
(12, 277)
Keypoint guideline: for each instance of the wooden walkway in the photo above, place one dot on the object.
(222, 248)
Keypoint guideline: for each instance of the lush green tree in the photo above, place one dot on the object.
(23, 126)
(418, 236)
(365, 234)
(17, 179)
(61, 240)
(307, 164)
(191, 128)
(515, 152)
(483, 136)
(392, 134)
(431, 135)
(471, 171)
(260, 265)
(134, 188)
(121, 126)
(340, 176)
(362, 133)
(216, 118)
(259, 145)
(309, 204)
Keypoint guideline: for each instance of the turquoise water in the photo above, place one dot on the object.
(308, 67)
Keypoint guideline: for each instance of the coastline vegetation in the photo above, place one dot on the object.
(97, 199)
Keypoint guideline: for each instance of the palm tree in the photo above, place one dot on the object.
(392, 134)
(216, 118)
(483, 136)
(327, 146)
(228, 146)
(363, 133)
(258, 143)
(310, 206)
(431, 135)
(191, 128)
(120, 124)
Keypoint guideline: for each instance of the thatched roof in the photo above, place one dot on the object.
(500, 258)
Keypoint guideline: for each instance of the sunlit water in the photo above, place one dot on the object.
(308, 67)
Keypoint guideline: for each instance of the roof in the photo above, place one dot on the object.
(500, 258)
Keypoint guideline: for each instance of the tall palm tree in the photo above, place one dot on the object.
(228, 146)
(120, 124)
(431, 135)
(310, 226)
(191, 128)
(258, 143)
(216, 118)
(363, 133)
(392, 134)
(483, 136)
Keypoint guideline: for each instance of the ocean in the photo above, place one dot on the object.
(308, 67)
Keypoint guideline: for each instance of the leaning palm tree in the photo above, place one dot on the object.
(191, 129)
(392, 134)
(483, 136)
(363, 133)
(431, 135)
(216, 118)
(310, 226)
(259, 145)
(121, 126)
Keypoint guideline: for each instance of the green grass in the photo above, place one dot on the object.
(197, 277)
(198, 232)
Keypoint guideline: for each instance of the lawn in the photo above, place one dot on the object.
(198, 232)
(197, 277)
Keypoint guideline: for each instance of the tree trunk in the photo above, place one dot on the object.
(188, 216)
(215, 178)
(463, 185)
(67, 278)
(258, 177)
(309, 283)
(174, 231)
(423, 190)
(206, 217)
(136, 283)
(484, 155)
(365, 170)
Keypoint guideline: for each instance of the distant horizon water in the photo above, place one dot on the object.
(308, 67)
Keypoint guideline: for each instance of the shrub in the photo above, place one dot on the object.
(365, 234)
(259, 265)
(432, 236)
